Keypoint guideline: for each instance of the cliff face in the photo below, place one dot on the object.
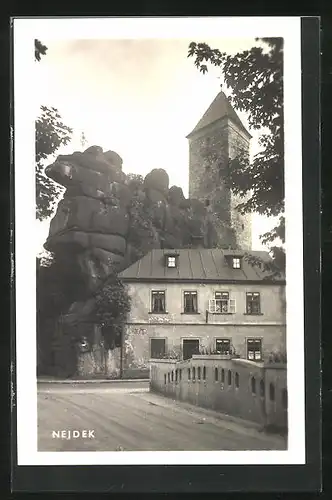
(108, 219)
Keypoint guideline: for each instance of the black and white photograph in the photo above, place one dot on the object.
(158, 226)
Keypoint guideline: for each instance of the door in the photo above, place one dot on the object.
(190, 347)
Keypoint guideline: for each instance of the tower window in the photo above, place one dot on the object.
(236, 263)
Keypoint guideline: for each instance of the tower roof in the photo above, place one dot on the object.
(220, 108)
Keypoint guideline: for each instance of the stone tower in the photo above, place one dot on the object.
(219, 136)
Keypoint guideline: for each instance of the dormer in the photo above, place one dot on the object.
(234, 258)
(171, 259)
(236, 262)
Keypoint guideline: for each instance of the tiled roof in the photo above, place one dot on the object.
(220, 108)
(196, 265)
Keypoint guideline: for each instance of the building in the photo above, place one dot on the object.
(202, 300)
(219, 136)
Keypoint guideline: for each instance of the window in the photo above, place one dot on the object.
(180, 374)
(222, 299)
(254, 349)
(236, 263)
(222, 304)
(272, 392)
(229, 377)
(188, 373)
(157, 348)
(262, 388)
(223, 346)
(158, 302)
(253, 303)
(190, 302)
(171, 261)
(204, 372)
(165, 378)
(168, 377)
(237, 380)
(216, 374)
(222, 375)
(172, 376)
(253, 385)
(176, 375)
(194, 373)
(284, 398)
(199, 373)
(189, 348)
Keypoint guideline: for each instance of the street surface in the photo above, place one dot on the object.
(124, 416)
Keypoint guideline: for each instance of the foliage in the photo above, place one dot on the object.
(277, 357)
(59, 283)
(112, 307)
(40, 50)
(256, 79)
(173, 354)
(51, 133)
(209, 351)
(275, 267)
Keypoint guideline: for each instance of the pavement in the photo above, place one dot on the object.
(125, 416)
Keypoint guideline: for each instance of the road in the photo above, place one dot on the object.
(125, 416)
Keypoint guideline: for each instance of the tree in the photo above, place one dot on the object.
(255, 77)
(112, 307)
(40, 50)
(51, 133)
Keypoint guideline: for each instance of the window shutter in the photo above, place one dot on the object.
(212, 305)
(232, 306)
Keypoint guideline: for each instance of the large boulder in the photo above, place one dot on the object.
(157, 180)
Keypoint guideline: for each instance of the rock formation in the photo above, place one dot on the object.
(106, 220)
(109, 220)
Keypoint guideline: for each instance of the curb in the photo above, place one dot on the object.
(90, 381)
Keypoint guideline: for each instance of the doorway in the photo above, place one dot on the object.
(190, 347)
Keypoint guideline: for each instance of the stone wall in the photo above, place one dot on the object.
(236, 387)
(209, 152)
(242, 223)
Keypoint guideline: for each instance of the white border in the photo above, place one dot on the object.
(25, 31)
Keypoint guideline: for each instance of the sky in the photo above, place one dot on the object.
(138, 97)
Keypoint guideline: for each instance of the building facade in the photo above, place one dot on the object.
(218, 137)
(192, 301)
